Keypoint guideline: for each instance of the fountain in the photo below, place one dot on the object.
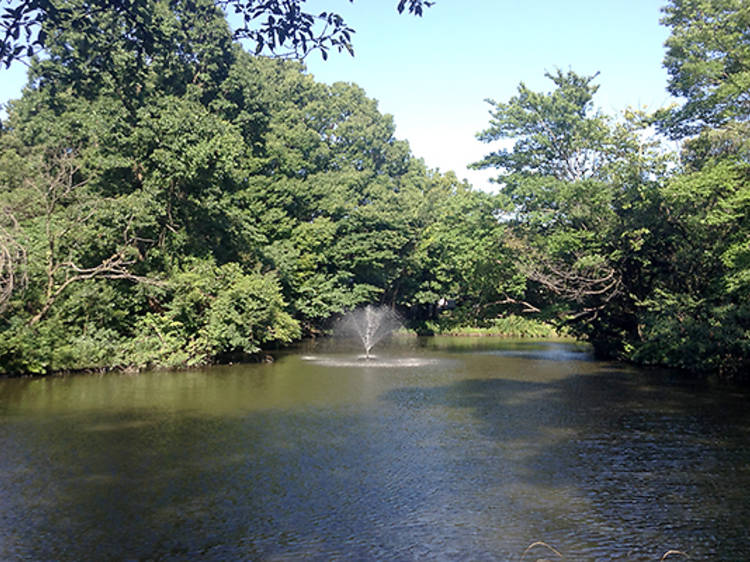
(370, 324)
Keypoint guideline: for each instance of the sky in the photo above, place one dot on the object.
(434, 73)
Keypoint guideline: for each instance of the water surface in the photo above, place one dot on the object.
(449, 449)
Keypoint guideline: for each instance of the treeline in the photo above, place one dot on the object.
(200, 204)
(644, 250)
(189, 203)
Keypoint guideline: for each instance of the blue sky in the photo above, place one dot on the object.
(434, 73)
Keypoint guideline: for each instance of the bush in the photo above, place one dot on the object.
(214, 312)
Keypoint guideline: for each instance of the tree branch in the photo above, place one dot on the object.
(12, 257)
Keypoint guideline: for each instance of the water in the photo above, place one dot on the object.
(466, 450)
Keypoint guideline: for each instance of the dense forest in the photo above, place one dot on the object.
(187, 202)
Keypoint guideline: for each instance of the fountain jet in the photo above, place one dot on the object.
(370, 324)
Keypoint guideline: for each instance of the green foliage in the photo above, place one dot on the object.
(692, 334)
(565, 179)
(696, 316)
(708, 60)
(83, 330)
(512, 326)
(644, 256)
(280, 27)
(461, 255)
(221, 204)
(211, 312)
(556, 135)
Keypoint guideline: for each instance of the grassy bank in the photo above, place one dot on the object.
(511, 326)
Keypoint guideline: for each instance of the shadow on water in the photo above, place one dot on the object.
(610, 464)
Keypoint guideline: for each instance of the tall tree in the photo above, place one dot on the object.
(565, 180)
(143, 194)
(698, 317)
(708, 60)
(261, 201)
(461, 256)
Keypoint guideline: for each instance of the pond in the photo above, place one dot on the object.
(449, 449)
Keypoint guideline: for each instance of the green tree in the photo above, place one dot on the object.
(334, 195)
(92, 204)
(555, 182)
(210, 313)
(461, 255)
(252, 199)
(697, 317)
(708, 60)
(571, 180)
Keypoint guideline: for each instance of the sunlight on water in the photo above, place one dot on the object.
(370, 361)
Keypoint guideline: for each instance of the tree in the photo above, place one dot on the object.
(281, 27)
(554, 179)
(697, 316)
(335, 198)
(261, 201)
(461, 255)
(208, 313)
(63, 222)
(12, 257)
(567, 180)
(708, 60)
(98, 204)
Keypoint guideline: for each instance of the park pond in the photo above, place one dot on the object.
(448, 449)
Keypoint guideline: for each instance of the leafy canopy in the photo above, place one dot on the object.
(279, 27)
(708, 60)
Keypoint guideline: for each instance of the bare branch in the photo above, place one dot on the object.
(59, 184)
(527, 307)
(12, 258)
(587, 289)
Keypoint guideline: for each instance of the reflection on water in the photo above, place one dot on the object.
(370, 362)
(474, 450)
